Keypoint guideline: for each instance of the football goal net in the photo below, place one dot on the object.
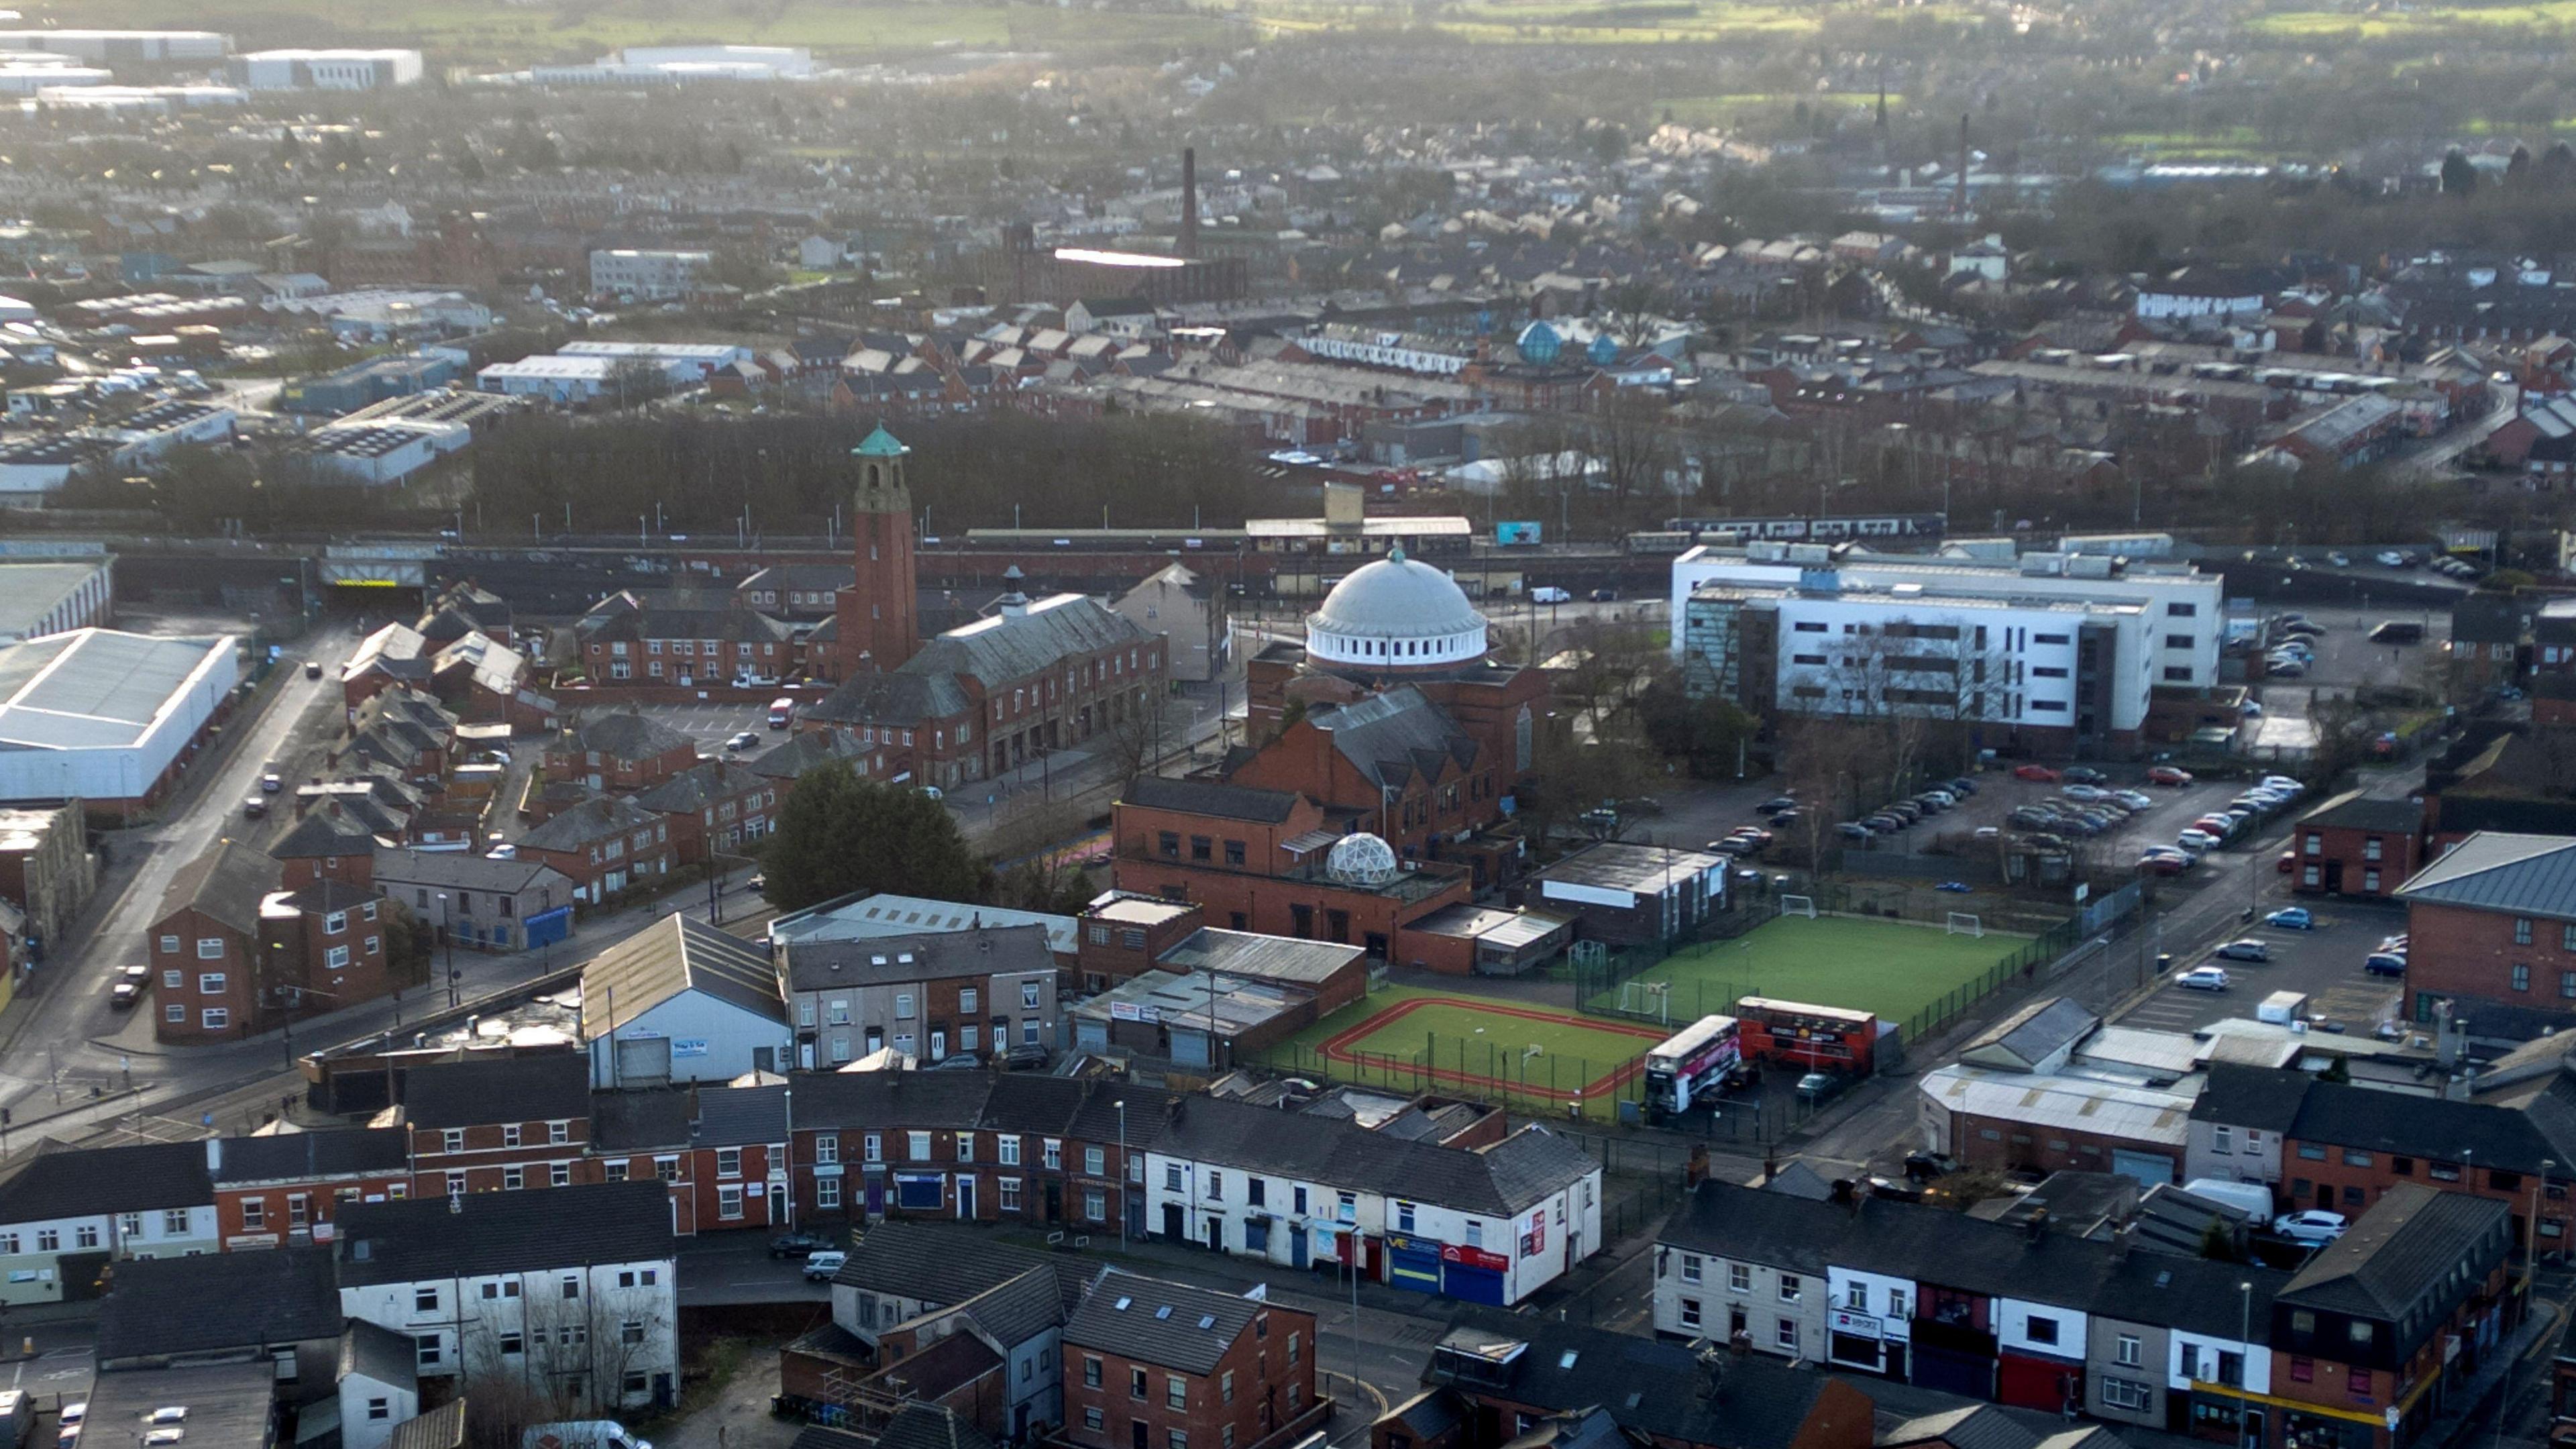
(1651, 1000)
(1963, 924)
(1798, 906)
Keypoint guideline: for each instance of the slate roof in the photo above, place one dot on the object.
(933, 1262)
(899, 698)
(226, 884)
(935, 955)
(1652, 1386)
(2353, 810)
(2030, 1035)
(2517, 1138)
(544, 1087)
(678, 954)
(158, 1307)
(1156, 1321)
(326, 831)
(925, 1426)
(491, 1233)
(2196, 1295)
(464, 870)
(807, 750)
(61, 1181)
(586, 821)
(622, 734)
(1204, 797)
(2404, 1247)
(2529, 875)
(740, 1116)
(639, 1121)
(1899, 1239)
(2264, 1098)
(699, 786)
(1494, 1181)
(1001, 648)
(1392, 737)
(331, 1152)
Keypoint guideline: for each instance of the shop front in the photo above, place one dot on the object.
(1473, 1274)
(1871, 1345)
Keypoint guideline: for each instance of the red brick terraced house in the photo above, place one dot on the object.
(1170, 1366)
(723, 1152)
(602, 846)
(623, 641)
(2492, 928)
(715, 806)
(499, 1124)
(619, 751)
(283, 1190)
(2357, 845)
(234, 950)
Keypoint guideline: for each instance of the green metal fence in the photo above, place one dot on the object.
(1549, 1084)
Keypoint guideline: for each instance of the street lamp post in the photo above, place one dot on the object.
(2244, 1356)
(1121, 1104)
(447, 939)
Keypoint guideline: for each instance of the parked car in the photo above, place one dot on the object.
(1027, 1057)
(1853, 830)
(2203, 978)
(819, 1267)
(2313, 1225)
(1775, 805)
(2083, 775)
(2289, 861)
(2175, 864)
(2284, 782)
(2168, 775)
(313, 669)
(1924, 1166)
(742, 740)
(2289, 669)
(2135, 799)
(2390, 558)
(1961, 786)
(2396, 943)
(2197, 841)
(2291, 918)
(2248, 949)
(804, 1242)
(1817, 1086)
(2034, 772)
(2086, 793)
(2385, 963)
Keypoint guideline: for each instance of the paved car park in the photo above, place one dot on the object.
(2324, 962)
(1999, 792)
(710, 725)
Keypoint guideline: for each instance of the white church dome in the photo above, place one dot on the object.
(1394, 613)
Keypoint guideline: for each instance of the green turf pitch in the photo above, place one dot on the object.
(1892, 968)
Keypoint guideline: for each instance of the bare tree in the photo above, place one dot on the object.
(1145, 727)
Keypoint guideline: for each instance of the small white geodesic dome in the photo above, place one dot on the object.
(1361, 859)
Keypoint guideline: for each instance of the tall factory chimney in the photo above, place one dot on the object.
(1188, 243)
(1962, 207)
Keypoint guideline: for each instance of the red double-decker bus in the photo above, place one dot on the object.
(1817, 1038)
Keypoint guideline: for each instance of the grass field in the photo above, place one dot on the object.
(489, 32)
(1893, 968)
(1415, 1039)
(2322, 24)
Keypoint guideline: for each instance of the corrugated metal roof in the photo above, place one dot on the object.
(2532, 875)
(2107, 1109)
(94, 688)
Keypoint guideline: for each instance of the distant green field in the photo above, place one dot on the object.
(2549, 15)
(1892, 968)
(487, 32)
(1561, 22)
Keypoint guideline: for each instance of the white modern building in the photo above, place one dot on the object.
(55, 597)
(572, 379)
(706, 357)
(574, 1287)
(385, 452)
(647, 276)
(327, 70)
(682, 1002)
(113, 45)
(783, 60)
(26, 76)
(2047, 651)
(106, 717)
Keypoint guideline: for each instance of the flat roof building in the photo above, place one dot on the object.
(104, 716)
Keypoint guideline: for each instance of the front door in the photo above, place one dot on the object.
(2254, 1429)
(1172, 1221)
(965, 1197)
(1297, 1246)
(938, 1044)
(1055, 1202)
(1136, 1433)
(1216, 1233)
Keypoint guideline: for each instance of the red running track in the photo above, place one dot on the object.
(1339, 1046)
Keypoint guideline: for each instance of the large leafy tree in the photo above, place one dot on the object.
(838, 833)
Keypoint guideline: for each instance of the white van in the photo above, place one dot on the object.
(2250, 1198)
(581, 1434)
(1550, 594)
(2281, 1008)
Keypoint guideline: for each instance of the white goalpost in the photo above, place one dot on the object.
(1652, 999)
(1798, 906)
(1962, 923)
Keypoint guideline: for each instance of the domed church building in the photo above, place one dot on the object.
(1389, 720)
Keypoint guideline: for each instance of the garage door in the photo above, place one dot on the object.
(1476, 1285)
(644, 1061)
(1412, 1265)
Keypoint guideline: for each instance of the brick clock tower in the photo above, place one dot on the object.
(877, 616)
